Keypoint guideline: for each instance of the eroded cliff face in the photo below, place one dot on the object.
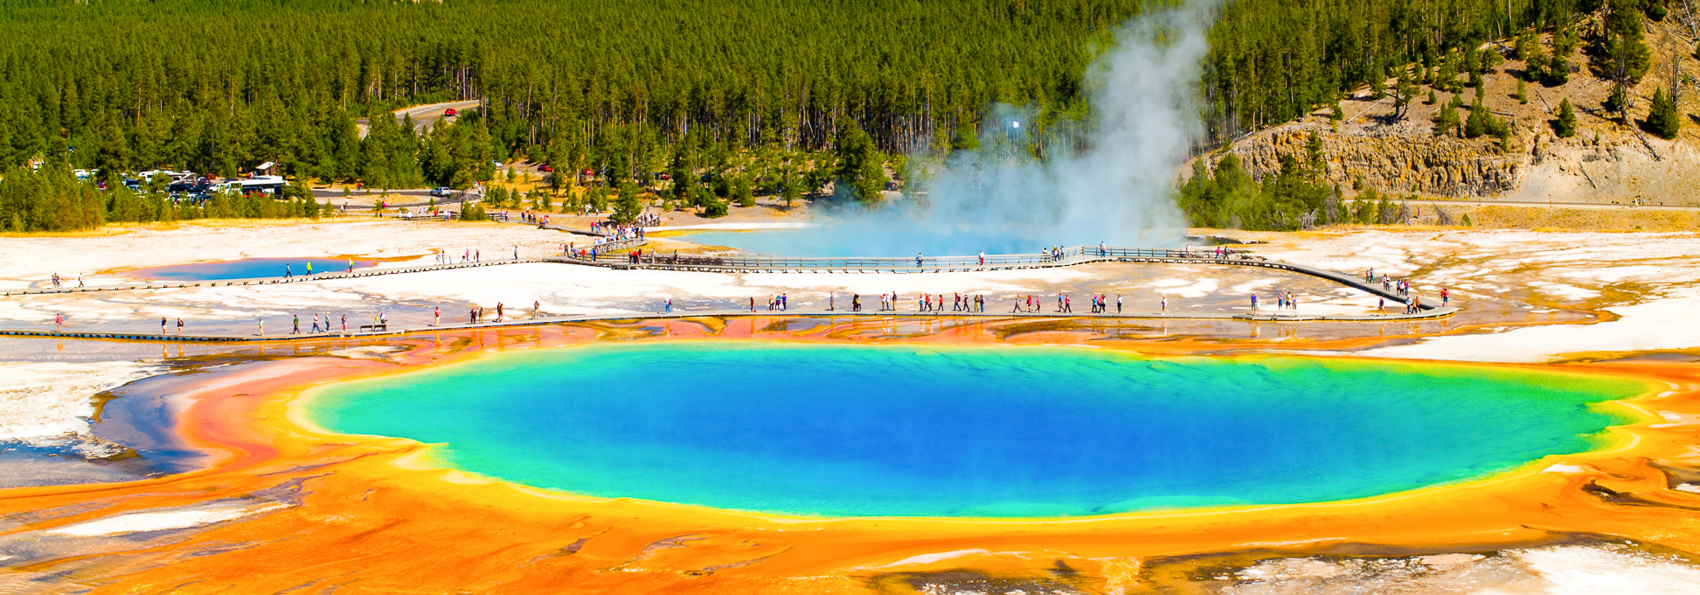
(1607, 164)
(1397, 159)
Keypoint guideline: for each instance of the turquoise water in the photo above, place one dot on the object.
(794, 242)
(979, 431)
(247, 268)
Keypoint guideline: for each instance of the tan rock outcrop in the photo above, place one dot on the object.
(1397, 160)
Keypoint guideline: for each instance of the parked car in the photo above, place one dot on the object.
(449, 112)
(544, 167)
(440, 191)
(663, 176)
(194, 186)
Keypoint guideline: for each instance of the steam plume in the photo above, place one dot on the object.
(1118, 188)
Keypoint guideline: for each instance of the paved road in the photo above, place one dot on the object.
(424, 116)
(1565, 205)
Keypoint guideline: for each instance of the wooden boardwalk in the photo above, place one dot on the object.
(1427, 308)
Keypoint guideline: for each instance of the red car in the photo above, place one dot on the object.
(544, 167)
(449, 112)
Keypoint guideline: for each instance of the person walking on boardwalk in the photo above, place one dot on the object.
(982, 258)
(516, 251)
(59, 321)
(669, 305)
(309, 268)
(296, 330)
(345, 323)
(162, 325)
(436, 315)
(180, 326)
(316, 322)
(1118, 303)
(752, 303)
(79, 280)
(286, 273)
(262, 327)
(1165, 304)
(917, 260)
(499, 311)
(535, 306)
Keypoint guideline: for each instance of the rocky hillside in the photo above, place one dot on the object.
(1603, 163)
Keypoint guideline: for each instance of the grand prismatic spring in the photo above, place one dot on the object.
(1003, 432)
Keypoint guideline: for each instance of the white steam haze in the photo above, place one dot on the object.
(1119, 189)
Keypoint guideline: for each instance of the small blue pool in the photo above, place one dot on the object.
(248, 268)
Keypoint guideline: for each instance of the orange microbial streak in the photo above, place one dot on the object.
(375, 515)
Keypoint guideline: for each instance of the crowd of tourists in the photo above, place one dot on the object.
(59, 282)
(1402, 290)
(616, 231)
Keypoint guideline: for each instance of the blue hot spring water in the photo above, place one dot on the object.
(970, 431)
(247, 268)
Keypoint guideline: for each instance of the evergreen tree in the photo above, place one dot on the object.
(1620, 52)
(1565, 125)
(860, 173)
(1557, 72)
(627, 207)
(743, 191)
(791, 190)
(1446, 121)
(1663, 120)
(1481, 122)
(1534, 61)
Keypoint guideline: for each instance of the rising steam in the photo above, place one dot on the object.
(1117, 188)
